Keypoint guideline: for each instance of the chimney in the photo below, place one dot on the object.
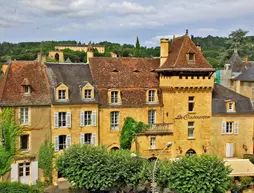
(246, 59)
(41, 58)
(90, 52)
(164, 50)
(198, 46)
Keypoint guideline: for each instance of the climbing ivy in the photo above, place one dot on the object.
(129, 131)
(10, 132)
(45, 159)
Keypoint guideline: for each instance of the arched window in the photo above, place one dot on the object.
(191, 152)
(152, 159)
(114, 149)
(57, 57)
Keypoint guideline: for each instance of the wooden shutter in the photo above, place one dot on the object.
(223, 127)
(82, 138)
(56, 143)
(93, 141)
(229, 149)
(14, 173)
(68, 141)
(236, 128)
(82, 118)
(34, 172)
(94, 118)
(68, 117)
(56, 122)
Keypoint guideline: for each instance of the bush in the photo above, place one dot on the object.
(245, 182)
(15, 187)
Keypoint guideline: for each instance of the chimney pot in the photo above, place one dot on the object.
(163, 50)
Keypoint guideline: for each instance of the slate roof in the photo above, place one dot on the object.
(177, 59)
(237, 64)
(18, 73)
(132, 76)
(247, 75)
(75, 76)
(221, 93)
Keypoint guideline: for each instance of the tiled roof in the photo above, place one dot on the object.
(177, 56)
(75, 76)
(221, 94)
(237, 64)
(132, 76)
(124, 72)
(12, 91)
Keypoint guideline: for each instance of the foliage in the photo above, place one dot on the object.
(203, 173)
(45, 159)
(94, 168)
(245, 182)
(129, 131)
(137, 48)
(235, 187)
(10, 133)
(15, 187)
(163, 174)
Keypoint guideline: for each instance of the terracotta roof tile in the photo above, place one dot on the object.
(13, 92)
(177, 55)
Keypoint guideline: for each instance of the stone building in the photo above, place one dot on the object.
(81, 48)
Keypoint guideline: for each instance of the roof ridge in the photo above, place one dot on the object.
(180, 49)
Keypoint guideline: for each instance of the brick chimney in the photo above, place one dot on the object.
(41, 58)
(164, 50)
(246, 59)
(90, 52)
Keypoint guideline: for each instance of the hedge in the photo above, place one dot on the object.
(15, 187)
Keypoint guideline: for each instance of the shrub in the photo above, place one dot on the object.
(15, 187)
(245, 182)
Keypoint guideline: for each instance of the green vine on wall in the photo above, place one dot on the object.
(9, 131)
(129, 131)
(45, 159)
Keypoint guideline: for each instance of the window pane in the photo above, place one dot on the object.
(88, 137)
(62, 119)
(61, 94)
(62, 142)
(24, 140)
(151, 117)
(114, 118)
(88, 118)
(88, 94)
(114, 97)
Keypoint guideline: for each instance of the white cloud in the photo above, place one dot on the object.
(74, 27)
(207, 30)
(155, 41)
(126, 7)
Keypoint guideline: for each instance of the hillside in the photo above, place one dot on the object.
(215, 49)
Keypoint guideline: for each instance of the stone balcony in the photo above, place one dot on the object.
(159, 129)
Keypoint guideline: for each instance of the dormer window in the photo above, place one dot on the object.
(27, 90)
(114, 97)
(191, 57)
(152, 96)
(88, 94)
(231, 107)
(62, 95)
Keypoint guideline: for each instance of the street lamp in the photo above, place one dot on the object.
(154, 167)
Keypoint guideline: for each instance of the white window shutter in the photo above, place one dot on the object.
(34, 173)
(94, 118)
(118, 120)
(82, 118)
(82, 138)
(68, 119)
(223, 127)
(236, 129)
(68, 142)
(56, 143)
(229, 149)
(93, 141)
(14, 173)
(56, 120)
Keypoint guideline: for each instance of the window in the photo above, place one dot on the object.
(190, 129)
(24, 119)
(191, 57)
(229, 127)
(61, 94)
(62, 119)
(153, 143)
(24, 142)
(151, 117)
(114, 97)
(88, 94)
(151, 96)
(114, 118)
(27, 90)
(24, 169)
(191, 104)
(245, 86)
(88, 138)
(88, 118)
(62, 142)
(252, 90)
(230, 107)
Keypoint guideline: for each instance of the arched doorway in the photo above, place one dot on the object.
(114, 149)
(151, 159)
(191, 152)
(57, 57)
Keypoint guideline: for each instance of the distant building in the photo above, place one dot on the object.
(100, 48)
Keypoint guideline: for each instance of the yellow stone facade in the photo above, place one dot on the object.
(101, 49)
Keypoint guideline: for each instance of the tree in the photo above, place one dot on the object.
(10, 133)
(238, 38)
(137, 48)
(203, 174)
(45, 159)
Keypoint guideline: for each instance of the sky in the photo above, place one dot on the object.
(121, 21)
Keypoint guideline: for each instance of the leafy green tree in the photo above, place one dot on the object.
(137, 48)
(45, 159)
(203, 174)
(10, 133)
